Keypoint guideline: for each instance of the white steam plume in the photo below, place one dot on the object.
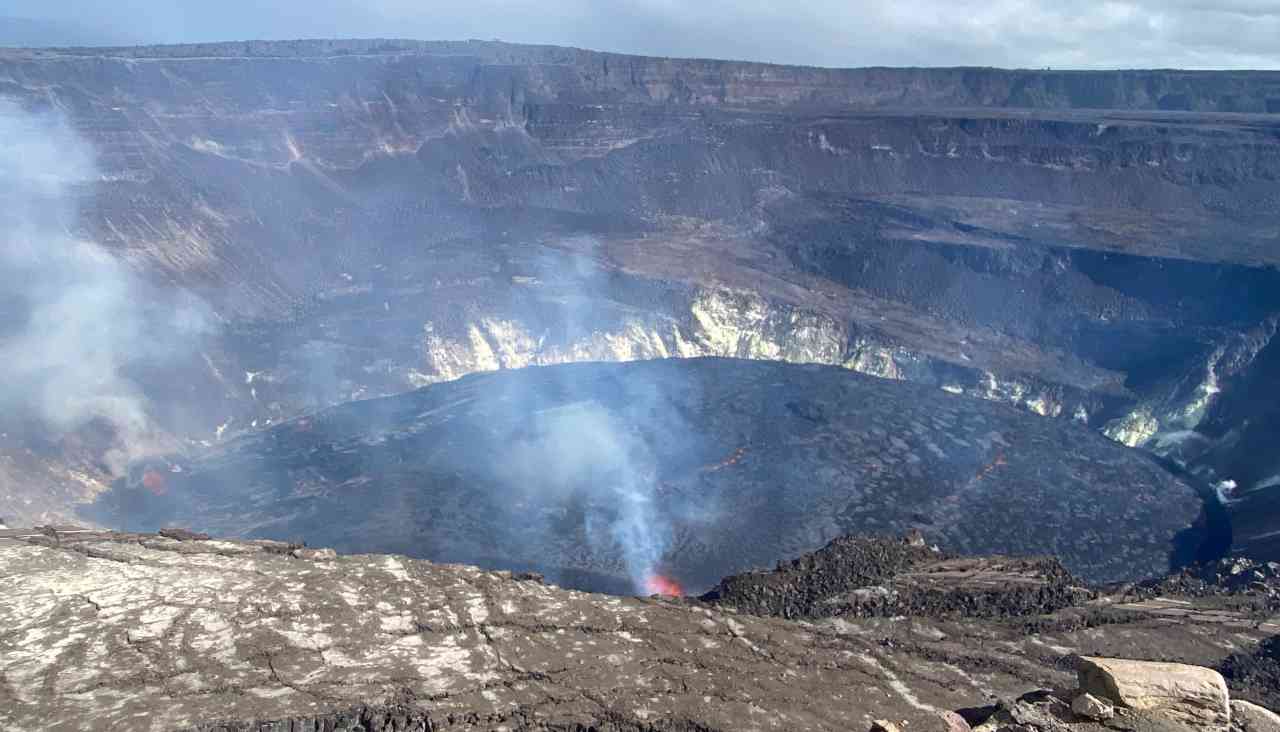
(73, 315)
(584, 451)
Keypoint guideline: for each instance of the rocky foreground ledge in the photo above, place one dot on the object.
(179, 631)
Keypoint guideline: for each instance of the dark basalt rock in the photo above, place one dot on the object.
(886, 577)
(1233, 575)
(1254, 675)
(532, 469)
(362, 719)
(1236, 583)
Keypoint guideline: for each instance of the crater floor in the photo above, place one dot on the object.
(598, 474)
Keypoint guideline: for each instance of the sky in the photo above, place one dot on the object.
(1200, 34)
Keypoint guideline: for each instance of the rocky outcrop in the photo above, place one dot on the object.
(1249, 717)
(132, 631)
(864, 577)
(1189, 694)
(1233, 576)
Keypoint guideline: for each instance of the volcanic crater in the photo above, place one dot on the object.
(364, 218)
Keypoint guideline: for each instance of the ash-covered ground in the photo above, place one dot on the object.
(181, 631)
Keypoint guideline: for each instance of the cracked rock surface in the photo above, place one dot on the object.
(129, 631)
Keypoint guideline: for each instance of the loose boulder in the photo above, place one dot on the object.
(319, 555)
(1035, 711)
(1249, 717)
(1091, 707)
(1189, 694)
(952, 722)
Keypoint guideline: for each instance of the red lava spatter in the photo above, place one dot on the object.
(986, 470)
(657, 584)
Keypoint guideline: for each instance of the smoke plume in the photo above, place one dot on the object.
(599, 456)
(73, 315)
(583, 453)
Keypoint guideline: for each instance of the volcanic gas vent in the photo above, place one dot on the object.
(660, 584)
(605, 476)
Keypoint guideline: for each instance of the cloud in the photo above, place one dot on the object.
(1020, 33)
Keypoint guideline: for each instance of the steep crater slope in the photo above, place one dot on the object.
(368, 217)
(610, 476)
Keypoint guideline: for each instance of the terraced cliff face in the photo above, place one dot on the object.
(369, 217)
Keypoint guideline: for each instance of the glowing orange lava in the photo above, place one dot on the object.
(986, 470)
(656, 584)
(153, 481)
